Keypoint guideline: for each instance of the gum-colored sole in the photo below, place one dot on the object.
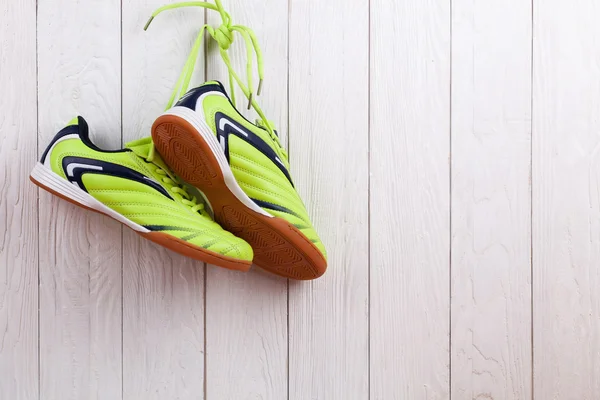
(279, 247)
(170, 242)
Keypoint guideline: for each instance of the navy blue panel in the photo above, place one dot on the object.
(249, 137)
(84, 135)
(69, 130)
(271, 206)
(167, 228)
(81, 129)
(92, 166)
(190, 99)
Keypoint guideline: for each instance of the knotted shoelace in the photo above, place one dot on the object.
(224, 36)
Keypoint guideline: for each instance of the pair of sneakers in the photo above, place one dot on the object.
(248, 210)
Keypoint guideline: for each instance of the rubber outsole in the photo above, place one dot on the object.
(279, 247)
(170, 242)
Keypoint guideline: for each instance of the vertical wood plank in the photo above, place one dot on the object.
(246, 314)
(491, 203)
(18, 203)
(79, 68)
(329, 132)
(566, 199)
(163, 292)
(410, 125)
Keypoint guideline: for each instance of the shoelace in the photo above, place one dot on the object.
(176, 187)
(224, 36)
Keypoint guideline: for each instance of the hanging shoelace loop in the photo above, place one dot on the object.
(224, 37)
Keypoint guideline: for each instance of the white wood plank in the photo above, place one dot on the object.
(410, 126)
(18, 203)
(80, 252)
(246, 314)
(491, 202)
(163, 292)
(328, 136)
(566, 199)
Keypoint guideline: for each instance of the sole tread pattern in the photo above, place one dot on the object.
(195, 165)
(278, 246)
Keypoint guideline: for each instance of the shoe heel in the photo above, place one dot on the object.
(186, 151)
(189, 146)
(48, 180)
(45, 178)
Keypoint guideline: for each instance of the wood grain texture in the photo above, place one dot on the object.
(491, 213)
(329, 132)
(410, 125)
(246, 314)
(411, 129)
(566, 199)
(80, 252)
(19, 377)
(163, 292)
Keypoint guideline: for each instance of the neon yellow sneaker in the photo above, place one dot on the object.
(240, 166)
(136, 188)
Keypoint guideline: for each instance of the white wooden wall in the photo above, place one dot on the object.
(448, 152)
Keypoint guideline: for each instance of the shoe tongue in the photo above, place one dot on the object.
(140, 147)
(144, 148)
